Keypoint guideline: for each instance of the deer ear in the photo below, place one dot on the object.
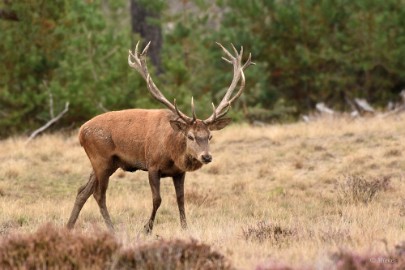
(178, 126)
(220, 124)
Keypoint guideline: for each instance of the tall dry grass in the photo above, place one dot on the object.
(282, 193)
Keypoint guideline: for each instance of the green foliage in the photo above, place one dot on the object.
(305, 51)
(323, 50)
(67, 49)
(194, 64)
(94, 69)
(31, 47)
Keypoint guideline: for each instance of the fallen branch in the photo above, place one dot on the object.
(322, 108)
(363, 106)
(48, 124)
(51, 113)
(395, 111)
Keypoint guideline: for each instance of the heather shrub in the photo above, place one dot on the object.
(263, 231)
(171, 254)
(54, 248)
(274, 266)
(51, 247)
(345, 260)
(400, 250)
(357, 189)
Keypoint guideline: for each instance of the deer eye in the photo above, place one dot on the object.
(190, 137)
(210, 137)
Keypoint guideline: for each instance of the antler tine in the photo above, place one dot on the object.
(238, 68)
(145, 50)
(136, 48)
(234, 49)
(248, 62)
(180, 114)
(133, 55)
(226, 51)
(214, 114)
(193, 109)
(241, 52)
(137, 61)
(226, 60)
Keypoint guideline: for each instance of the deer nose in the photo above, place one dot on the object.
(207, 158)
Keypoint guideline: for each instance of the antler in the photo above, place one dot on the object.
(137, 61)
(238, 74)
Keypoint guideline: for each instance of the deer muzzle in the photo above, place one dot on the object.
(206, 158)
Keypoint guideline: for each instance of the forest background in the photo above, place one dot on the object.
(308, 51)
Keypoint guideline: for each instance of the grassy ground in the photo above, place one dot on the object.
(288, 193)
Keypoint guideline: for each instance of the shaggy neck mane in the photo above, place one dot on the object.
(190, 163)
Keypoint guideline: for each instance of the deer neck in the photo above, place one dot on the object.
(190, 163)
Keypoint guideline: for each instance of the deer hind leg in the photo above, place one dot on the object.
(100, 195)
(83, 194)
(154, 181)
(178, 182)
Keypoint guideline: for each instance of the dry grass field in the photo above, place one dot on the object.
(293, 193)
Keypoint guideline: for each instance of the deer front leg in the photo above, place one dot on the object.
(178, 182)
(154, 181)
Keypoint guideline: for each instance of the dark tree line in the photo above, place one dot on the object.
(306, 52)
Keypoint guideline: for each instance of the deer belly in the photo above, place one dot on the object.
(129, 163)
(134, 167)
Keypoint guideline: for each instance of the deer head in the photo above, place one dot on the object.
(196, 132)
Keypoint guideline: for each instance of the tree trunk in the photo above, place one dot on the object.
(140, 17)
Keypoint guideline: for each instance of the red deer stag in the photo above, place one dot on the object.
(166, 143)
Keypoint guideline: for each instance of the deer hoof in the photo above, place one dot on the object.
(147, 229)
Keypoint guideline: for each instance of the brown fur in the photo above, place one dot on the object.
(148, 140)
(163, 142)
(136, 140)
